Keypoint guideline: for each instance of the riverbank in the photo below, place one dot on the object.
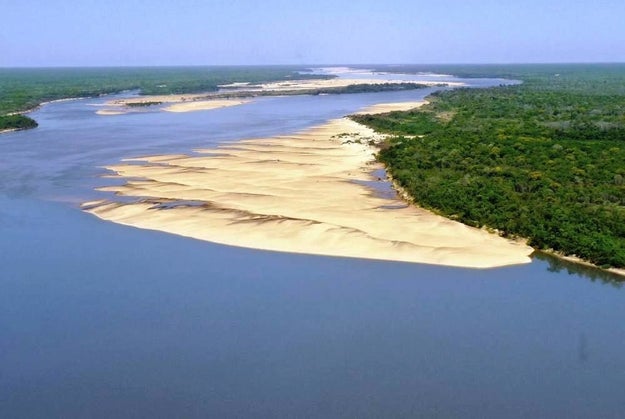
(583, 262)
(390, 107)
(2, 131)
(312, 192)
(488, 158)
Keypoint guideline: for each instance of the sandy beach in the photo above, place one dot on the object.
(310, 192)
(3, 131)
(391, 107)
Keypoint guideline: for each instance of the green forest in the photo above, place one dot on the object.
(16, 122)
(543, 160)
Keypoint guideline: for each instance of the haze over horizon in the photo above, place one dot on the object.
(192, 32)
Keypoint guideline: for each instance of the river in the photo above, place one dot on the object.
(102, 320)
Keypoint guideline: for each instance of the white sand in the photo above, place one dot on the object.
(298, 194)
(112, 111)
(391, 107)
(174, 103)
(4, 131)
(203, 105)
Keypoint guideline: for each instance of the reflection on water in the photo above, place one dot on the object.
(558, 265)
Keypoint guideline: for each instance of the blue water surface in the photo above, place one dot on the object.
(99, 320)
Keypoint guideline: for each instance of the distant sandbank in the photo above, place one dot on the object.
(309, 192)
(212, 100)
(166, 103)
(203, 105)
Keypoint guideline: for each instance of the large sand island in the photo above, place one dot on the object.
(305, 193)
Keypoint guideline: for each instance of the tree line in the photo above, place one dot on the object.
(542, 160)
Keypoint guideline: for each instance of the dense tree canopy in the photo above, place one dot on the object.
(543, 160)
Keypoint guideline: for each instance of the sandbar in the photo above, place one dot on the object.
(177, 103)
(203, 105)
(111, 111)
(311, 192)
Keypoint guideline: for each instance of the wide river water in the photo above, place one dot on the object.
(102, 320)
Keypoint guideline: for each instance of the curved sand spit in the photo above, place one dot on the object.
(299, 193)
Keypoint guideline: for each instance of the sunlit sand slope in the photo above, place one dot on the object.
(304, 193)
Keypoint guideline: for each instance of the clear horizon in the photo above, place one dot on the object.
(58, 33)
(360, 65)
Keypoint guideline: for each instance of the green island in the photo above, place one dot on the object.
(142, 104)
(16, 122)
(370, 88)
(354, 88)
(542, 160)
(24, 89)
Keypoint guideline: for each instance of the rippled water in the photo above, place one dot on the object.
(102, 320)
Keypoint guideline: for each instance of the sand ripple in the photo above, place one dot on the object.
(302, 193)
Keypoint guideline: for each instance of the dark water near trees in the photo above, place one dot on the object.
(102, 320)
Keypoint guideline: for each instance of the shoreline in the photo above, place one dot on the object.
(29, 110)
(35, 108)
(312, 192)
(574, 259)
(620, 272)
(411, 201)
(4, 131)
(391, 107)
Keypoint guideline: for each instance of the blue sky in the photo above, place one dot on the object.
(215, 32)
